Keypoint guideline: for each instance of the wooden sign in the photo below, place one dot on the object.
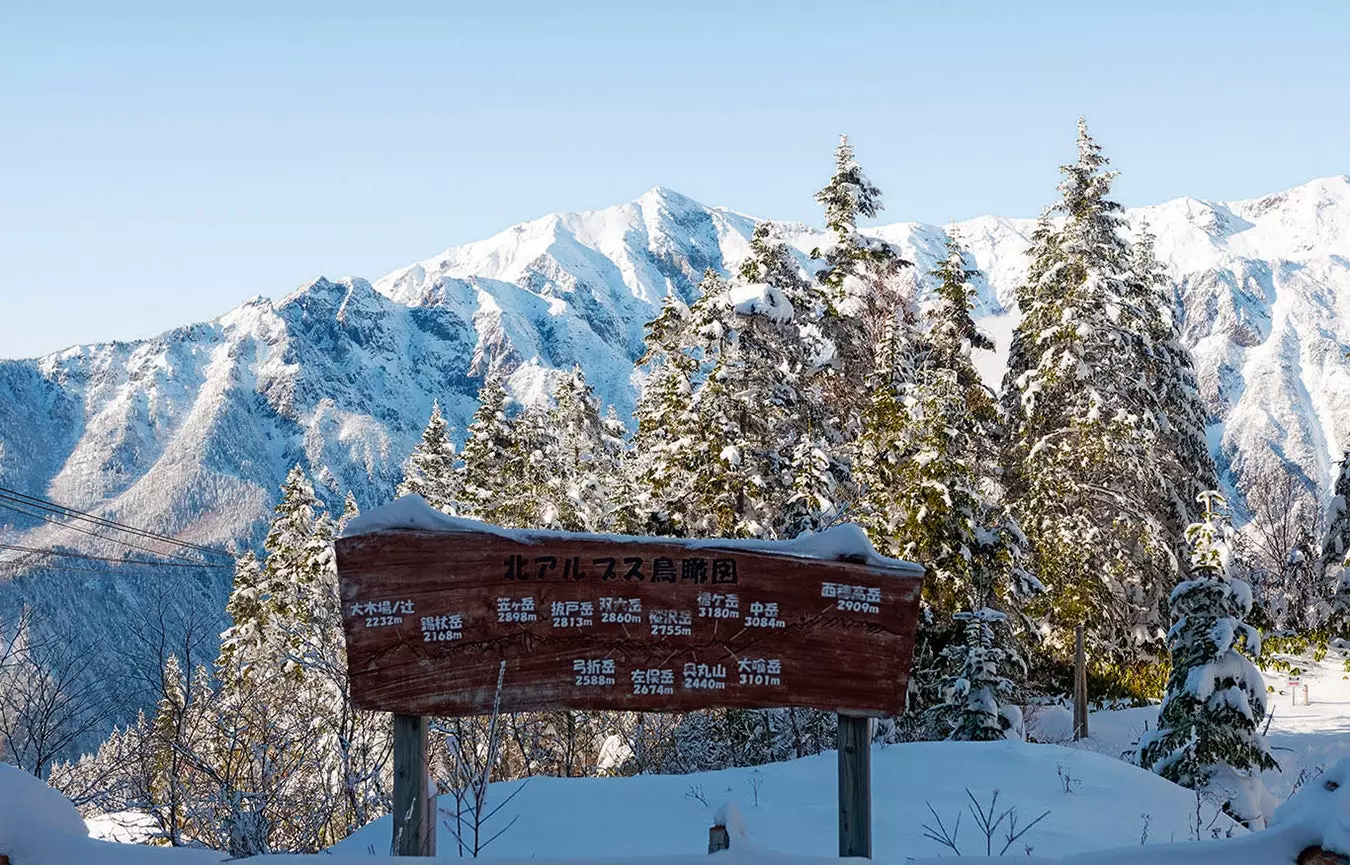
(640, 624)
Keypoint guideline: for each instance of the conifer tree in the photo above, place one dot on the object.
(931, 489)
(952, 333)
(663, 449)
(488, 446)
(1082, 458)
(1208, 736)
(862, 281)
(299, 568)
(848, 196)
(1335, 561)
(350, 511)
(1167, 388)
(972, 692)
(243, 642)
(431, 470)
(581, 461)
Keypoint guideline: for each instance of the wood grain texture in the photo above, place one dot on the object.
(855, 787)
(414, 824)
(596, 623)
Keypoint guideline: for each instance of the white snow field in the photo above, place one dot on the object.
(1304, 739)
(1097, 808)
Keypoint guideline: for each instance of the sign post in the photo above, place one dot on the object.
(586, 622)
(855, 786)
(414, 822)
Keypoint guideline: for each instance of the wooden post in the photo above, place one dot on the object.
(855, 786)
(414, 827)
(718, 839)
(1080, 705)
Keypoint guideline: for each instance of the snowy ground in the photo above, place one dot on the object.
(1305, 739)
(794, 809)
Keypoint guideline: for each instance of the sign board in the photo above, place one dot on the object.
(614, 623)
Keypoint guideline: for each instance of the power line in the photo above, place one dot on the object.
(93, 558)
(63, 510)
(74, 528)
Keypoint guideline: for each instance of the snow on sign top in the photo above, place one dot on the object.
(844, 542)
(433, 606)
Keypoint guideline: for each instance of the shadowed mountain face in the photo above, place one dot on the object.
(191, 433)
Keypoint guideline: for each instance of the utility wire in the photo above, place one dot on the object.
(93, 558)
(93, 534)
(17, 497)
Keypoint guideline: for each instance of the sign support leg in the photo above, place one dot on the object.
(1080, 706)
(855, 786)
(414, 827)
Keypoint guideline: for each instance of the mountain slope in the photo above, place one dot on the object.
(191, 432)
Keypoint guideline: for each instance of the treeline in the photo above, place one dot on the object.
(780, 401)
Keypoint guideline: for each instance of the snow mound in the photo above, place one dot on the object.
(1094, 803)
(29, 807)
(1053, 724)
(845, 542)
(1321, 809)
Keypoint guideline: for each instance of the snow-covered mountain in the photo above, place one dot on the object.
(191, 432)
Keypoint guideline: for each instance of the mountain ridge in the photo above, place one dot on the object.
(190, 432)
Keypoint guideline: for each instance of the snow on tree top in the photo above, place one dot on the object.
(758, 298)
(846, 541)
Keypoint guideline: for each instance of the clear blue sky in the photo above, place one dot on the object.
(161, 162)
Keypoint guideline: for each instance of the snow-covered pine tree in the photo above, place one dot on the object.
(350, 511)
(1082, 465)
(930, 487)
(849, 195)
(970, 710)
(862, 281)
(750, 351)
(431, 471)
(581, 460)
(243, 643)
(662, 453)
(1208, 736)
(488, 445)
(298, 571)
(1168, 389)
(952, 333)
(926, 422)
(1336, 547)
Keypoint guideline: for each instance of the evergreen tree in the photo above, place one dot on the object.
(952, 333)
(1208, 735)
(350, 511)
(1335, 561)
(431, 470)
(971, 707)
(1085, 430)
(862, 281)
(243, 642)
(663, 452)
(751, 352)
(931, 491)
(488, 447)
(299, 569)
(582, 458)
(849, 195)
(1168, 389)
